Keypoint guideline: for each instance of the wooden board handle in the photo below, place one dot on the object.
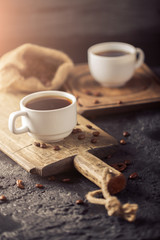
(92, 167)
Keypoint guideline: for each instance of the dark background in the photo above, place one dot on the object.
(74, 25)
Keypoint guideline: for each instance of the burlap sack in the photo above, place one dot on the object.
(31, 68)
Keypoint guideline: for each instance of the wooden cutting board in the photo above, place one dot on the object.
(47, 161)
(141, 90)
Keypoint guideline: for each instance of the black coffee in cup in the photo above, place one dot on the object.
(48, 103)
(112, 53)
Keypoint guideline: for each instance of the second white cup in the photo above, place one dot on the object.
(112, 64)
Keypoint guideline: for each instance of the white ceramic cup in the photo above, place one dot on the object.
(45, 125)
(114, 71)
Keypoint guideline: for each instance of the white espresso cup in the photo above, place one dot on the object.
(45, 125)
(112, 64)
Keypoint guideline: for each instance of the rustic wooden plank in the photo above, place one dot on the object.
(47, 161)
(92, 167)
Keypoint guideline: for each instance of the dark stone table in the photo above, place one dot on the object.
(52, 212)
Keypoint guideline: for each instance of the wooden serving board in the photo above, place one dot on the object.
(142, 89)
(46, 161)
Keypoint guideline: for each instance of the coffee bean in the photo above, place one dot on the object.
(88, 92)
(133, 175)
(89, 126)
(114, 165)
(93, 140)
(79, 130)
(39, 185)
(56, 148)
(119, 102)
(96, 101)
(96, 134)
(122, 142)
(79, 102)
(119, 166)
(66, 180)
(126, 134)
(98, 94)
(81, 136)
(37, 144)
(20, 184)
(43, 145)
(79, 202)
(76, 130)
(3, 198)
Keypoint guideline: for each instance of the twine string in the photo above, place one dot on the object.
(112, 204)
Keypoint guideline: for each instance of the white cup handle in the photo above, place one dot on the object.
(11, 123)
(140, 59)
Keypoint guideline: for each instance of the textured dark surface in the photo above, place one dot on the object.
(51, 213)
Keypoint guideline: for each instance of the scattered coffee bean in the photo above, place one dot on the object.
(66, 180)
(37, 144)
(79, 130)
(20, 184)
(96, 101)
(52, 178)
(43, 145)
(56, 148)
(3, 198)
(119, 166)
(79, 102)
(39, 185)
(98, 94)
(93, 140)
(126, 134)
(96, 134)
(79, 202)
(133, 175)
(127, 162)
(88, 92)
(81, 136)
(76, 130)
(122, 142)
(89, 126)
